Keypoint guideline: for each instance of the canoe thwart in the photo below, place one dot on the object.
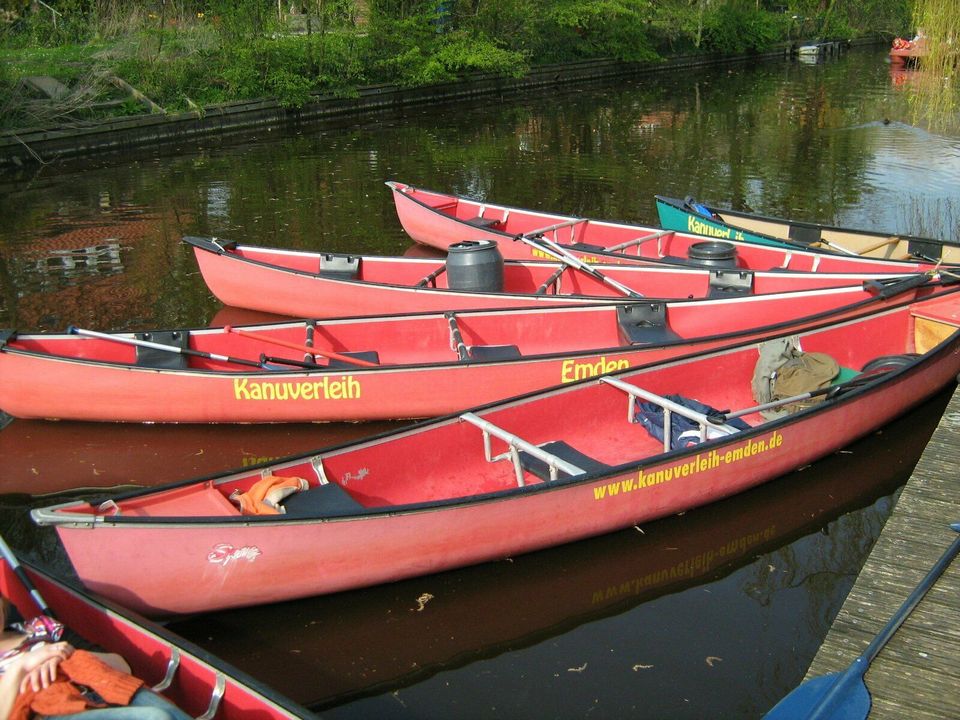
(669, 407)
(645, 324)
(517, 444)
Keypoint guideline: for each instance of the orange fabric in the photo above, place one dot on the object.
(63, 697)
(264, 495)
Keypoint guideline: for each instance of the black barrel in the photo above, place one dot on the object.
(475, 265)
(714, 253)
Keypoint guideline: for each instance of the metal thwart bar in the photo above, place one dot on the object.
(669, 407)
(640, 240)
(517, 444)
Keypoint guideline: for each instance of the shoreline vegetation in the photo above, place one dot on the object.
(70, 64)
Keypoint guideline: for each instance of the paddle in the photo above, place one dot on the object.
(24, 578)
(160, 346)
(844, 694)
(296, 346)
(541, 243)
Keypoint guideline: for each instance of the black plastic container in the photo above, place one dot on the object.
(475, 265)
(713, 253)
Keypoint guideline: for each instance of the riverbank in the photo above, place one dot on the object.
(43, 145)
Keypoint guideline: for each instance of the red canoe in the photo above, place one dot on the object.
(440, 219)
(411, 366)
(314, 284)
(198, 682)
(528, 473)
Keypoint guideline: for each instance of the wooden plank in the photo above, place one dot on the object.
(51, 87)
(917, 674)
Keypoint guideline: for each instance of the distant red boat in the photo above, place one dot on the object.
(439, 220)
(907, 52)
(386, 367)
(528, 473)
(323, 285)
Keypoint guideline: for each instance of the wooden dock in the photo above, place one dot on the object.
(917, 674)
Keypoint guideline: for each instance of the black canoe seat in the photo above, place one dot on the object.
(163, 359)
(339, 267)
(804, 234)
(371, 356)
(730, 283)
(493, 352)
(564, 451)
(645, 324)
(482, 222)
(586, 247)
(322, 501)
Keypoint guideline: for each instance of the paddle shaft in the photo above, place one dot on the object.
(24, 578)
(574, 262)
(160, 346)
(721, 417)
(857, 669)
(296, 346)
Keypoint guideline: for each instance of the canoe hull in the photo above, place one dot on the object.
(439, 220)
(148, 648)
(258, 279)
(751, 228)
(225, 564)
(432, 383)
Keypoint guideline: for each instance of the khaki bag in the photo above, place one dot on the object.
(783, 370)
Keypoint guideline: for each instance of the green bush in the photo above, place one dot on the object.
(735, 30)
(617, 29)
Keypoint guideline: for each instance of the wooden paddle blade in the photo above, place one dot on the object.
(837, 696)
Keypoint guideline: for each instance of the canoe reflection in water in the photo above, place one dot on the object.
(481, 631)
(41, 457)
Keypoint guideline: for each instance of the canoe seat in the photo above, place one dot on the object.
(368, 355)
(482, 222)
(804, 234)
(564, 451)
(645, 324)
(322, 501)
(585, 247)
(163, 359)
(728, 283)
(339, 267)
(493, 352)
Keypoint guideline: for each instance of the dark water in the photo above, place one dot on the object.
(716, 613)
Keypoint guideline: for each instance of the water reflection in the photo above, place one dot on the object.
(779, 137)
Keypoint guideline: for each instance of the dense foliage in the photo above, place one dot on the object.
(191, 53)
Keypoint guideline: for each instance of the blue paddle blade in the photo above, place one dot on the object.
(837, 696)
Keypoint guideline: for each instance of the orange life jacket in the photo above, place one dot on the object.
(264, 496)
(63, 696)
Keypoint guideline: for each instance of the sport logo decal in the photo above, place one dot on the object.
(224, 554)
